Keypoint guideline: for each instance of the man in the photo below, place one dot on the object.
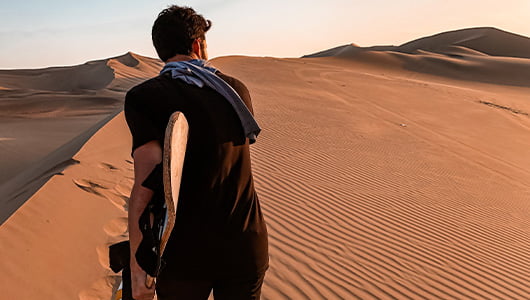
(219, 241)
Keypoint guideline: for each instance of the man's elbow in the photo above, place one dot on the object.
(149, 153)
(140, 195)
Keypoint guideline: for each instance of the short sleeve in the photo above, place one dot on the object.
(240, 88)
(142, 128)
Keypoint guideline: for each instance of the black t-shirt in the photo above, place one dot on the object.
(219, 230)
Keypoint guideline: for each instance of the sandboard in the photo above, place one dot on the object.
(175, 142)
(176, 138)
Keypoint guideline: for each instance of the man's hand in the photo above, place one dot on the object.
(139, 290)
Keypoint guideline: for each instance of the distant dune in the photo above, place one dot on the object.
(387, 172)
(472, 41)
(487, 40)
(476, 54)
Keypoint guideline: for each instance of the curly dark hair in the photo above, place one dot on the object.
(175, 29)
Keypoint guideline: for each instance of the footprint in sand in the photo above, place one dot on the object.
(120, 201)
(106, 286)
(120, 194)
(103, 256)
(102, 288)
(131, 165)
(108, 166)
(89, 186)
(116, 227)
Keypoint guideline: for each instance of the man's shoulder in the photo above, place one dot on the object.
(231, 80)
(143, 93)
(146, 86)
(237, 85)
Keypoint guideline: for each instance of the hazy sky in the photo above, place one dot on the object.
(67, 32)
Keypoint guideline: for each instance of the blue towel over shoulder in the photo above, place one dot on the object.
(197, 72)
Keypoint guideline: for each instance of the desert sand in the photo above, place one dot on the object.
(390, 172)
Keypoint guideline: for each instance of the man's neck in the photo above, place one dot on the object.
(182, 57)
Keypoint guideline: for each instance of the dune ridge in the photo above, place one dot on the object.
(69, 223)
(92, 75)
(482, 54)
(46, 115)
(24, 184)
(473, 41)
(487, 40)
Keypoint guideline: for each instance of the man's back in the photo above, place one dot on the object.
(219, 230)
(220, 239)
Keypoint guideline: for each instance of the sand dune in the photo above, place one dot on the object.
(93, 75)
(491, 41)
(382, 175)
(46, 115)
(471, 41)
(477, 54)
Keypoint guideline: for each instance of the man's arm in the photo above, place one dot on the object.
(146, 157)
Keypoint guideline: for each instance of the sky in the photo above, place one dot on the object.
(35, 34)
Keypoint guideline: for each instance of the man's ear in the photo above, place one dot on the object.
(196, 47)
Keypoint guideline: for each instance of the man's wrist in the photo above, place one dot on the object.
(135, 267)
